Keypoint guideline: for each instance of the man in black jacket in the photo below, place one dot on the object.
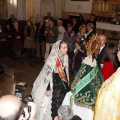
(90, 31)
(11, 20)
(75, 25)
(40, 38)
(103, 40)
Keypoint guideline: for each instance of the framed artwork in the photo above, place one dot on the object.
(81, 0)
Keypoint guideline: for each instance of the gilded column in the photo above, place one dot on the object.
(30, 9)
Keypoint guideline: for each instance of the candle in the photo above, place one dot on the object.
(99, 5)
(107, 7)
(103, 6)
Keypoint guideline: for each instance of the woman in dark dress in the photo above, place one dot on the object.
(29, 35)
(51, 85)
(69, 37)
(79, 50)
(8, 32)
(17, 37)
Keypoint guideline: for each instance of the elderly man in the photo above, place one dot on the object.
(40, 38)
(103, 40)
(11, 108)
(90, 31)
(65, 112)
(61, 29)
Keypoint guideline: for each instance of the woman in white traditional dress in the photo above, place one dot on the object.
(51, 85)
(86, 84)
(108, 100)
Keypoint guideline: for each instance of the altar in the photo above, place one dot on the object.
(108, 26)
(112, 31)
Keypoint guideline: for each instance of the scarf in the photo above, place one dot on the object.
(86, 85)
(61, 71)
(69, 33)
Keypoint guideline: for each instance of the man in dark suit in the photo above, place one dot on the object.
(48, 16)
(11, 20)
(90, 31)
(103, 40)
(75, 25)
(92, 20)
(40, 38)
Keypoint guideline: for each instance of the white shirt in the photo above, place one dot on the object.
(101, 48)
(88, 34)
(61, 30)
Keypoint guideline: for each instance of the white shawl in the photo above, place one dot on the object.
(43, 102)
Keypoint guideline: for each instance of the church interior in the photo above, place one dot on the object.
(64, 55)
(27, 70)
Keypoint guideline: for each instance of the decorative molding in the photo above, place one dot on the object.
(66, 14)
(105, 8)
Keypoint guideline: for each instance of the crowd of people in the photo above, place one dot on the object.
(37, 38)
(93, 61)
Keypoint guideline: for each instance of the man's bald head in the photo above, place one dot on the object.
(10, 107)
(103, 40)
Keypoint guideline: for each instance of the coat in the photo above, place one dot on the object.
(52, 38)
(17, 43)
(29, 40)
(40, 30)
(69, 40)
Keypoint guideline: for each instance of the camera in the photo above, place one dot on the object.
(82, 46)
(25, 100)
(19, 90)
